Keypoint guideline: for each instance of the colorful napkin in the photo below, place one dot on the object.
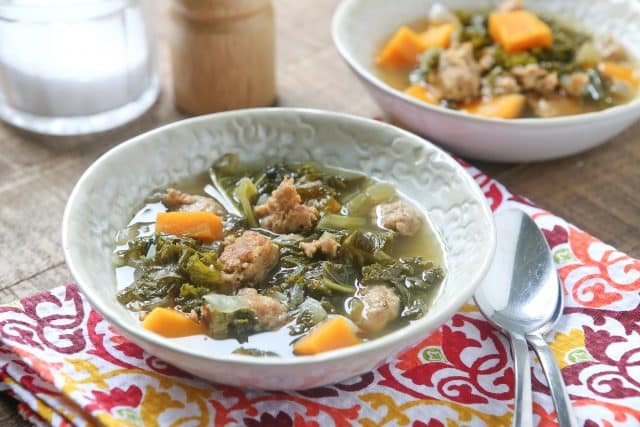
(70, 367)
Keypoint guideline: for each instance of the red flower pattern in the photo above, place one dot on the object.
(131, 397)
(463, 364)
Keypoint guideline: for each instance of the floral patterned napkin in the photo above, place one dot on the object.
(68, 366)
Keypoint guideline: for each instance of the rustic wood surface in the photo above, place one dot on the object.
(597, 191)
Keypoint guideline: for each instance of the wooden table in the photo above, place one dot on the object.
(598, 191)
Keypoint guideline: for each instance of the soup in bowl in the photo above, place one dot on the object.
(277, 248)
(278, 260)
(508, 62)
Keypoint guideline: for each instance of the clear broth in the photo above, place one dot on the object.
(426, 243)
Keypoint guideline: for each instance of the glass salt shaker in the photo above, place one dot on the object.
(70, 67)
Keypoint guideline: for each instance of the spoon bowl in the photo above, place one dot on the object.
(521, 295)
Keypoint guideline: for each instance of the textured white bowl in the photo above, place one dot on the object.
(113, 188)
(361, 26)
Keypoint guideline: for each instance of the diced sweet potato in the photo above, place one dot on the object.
(519, 30)
(333, 333)
(203, 226)
(420, 92)
(171, 323)
(619, 72)
(499, 107)
(402, 50)
(437, 36)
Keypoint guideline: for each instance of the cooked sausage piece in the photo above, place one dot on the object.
(399, 216)
(176, 200)
(283, 212)
(505, 84)
(247, 259)
(575, 83)
(458, 73)
(272, 314)
(381, 305)
(325, 245)
(534, 77)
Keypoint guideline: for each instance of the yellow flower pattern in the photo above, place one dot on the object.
(69, 366)
(569, 348)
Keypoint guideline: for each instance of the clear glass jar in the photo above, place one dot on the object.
(70, 67)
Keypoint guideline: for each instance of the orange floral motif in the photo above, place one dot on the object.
(602, 274)
(545, 419)
(66, 363)
(621, 413)
(43, 368)
(411, 358)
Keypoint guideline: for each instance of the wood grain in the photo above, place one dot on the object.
(598, 190)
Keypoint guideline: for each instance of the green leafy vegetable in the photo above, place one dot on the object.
(229, 317)
(170, 262)
(411, 277)
(367, 247)
(202, 269)
(597, 89)
(190, 298)
(339, 277)
(428, 62)
(474, 30)
(153, 287)
(508, 61)
(184, 274)
(326, 279)
(311, 313)
(317, 188)
(136, 250)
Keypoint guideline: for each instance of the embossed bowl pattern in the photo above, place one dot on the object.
(112, 189)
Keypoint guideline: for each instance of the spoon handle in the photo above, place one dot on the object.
(561, 401)
(523, 413)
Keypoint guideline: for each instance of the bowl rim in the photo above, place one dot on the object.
(395, 337)
(342, 12)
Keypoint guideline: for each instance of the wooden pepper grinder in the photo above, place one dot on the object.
(222, 54)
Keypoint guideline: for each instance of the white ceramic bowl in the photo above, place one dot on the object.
(113, 188)
(361, 26)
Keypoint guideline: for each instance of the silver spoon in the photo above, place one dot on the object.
(522, 297)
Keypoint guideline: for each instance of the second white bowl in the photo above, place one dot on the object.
(361, 26)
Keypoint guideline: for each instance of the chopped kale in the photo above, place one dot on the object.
(169, 263)
(411, 278)
(229, 317)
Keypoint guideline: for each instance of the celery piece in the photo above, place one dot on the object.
(244, 193)
(377, 193)
(339, 222)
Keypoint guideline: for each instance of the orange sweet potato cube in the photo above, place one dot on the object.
(519, 30)
(437, 36)
(500, 107)
(420, 92)
(402, 50)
